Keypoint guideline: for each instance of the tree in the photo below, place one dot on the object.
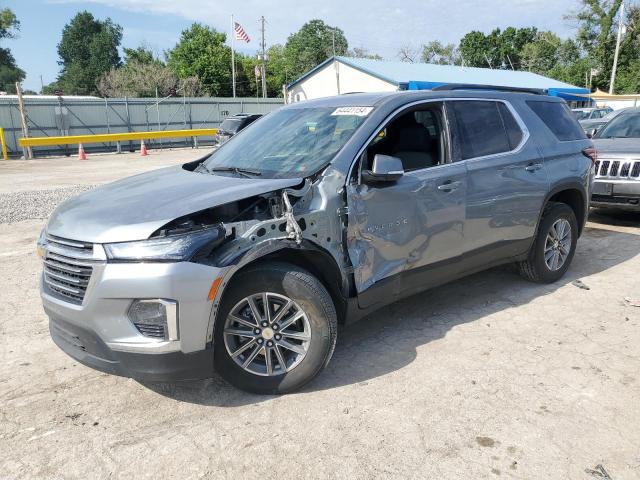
(312, 45)
(597, 35)
(627, 80)
(407, 53)
(9, 71)
(140, 55)
(498, 49)
(87, 50)
(201, 52)
(440, 54)
(363, 53)
(277, 71)
(143, 75)
(541, 55)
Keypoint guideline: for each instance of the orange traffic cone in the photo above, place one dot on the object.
(143, 149)
(81, 154)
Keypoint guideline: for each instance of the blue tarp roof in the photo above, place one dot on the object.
(425, 76)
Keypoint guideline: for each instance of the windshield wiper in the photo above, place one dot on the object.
(247, 172)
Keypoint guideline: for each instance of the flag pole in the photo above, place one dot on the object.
(233, 58)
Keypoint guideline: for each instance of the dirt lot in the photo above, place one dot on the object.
(489, 376)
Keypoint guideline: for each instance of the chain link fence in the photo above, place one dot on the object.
(58, 116)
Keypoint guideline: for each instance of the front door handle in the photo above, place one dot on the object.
(449, 186)
(532, 167)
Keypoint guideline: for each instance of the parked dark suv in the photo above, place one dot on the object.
(317, 214)
(233, 124)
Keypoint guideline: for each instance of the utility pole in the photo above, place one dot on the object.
(264, 60)
(335, 62)
(27, 152)
(41, 85)
(615, 56)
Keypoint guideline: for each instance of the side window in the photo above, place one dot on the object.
(514, 133)
(416, 137)
(481, 128)
(558, 118)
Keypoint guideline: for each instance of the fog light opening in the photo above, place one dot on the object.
(155, 318)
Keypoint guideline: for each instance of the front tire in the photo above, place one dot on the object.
(276, 329)
(554, 245)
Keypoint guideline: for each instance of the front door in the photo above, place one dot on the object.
(402, 234)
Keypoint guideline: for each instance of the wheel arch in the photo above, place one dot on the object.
(307, 256)
(572, 194)
(575, 197)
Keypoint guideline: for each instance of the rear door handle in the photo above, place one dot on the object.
(449, 186)
(532, 167)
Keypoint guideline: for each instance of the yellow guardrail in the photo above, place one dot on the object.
(4, 144)
(113, 137)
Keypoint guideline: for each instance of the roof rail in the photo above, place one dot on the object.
(471, 86)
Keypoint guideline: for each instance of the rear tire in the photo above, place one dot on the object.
(286, 353)
(554, 245)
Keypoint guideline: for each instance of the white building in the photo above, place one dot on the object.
(339, 75)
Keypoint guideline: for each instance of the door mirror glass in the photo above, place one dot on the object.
(385, 168)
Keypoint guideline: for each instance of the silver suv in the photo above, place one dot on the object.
(321, 212)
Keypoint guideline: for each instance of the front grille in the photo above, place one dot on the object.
(622, 169)
(68, 265)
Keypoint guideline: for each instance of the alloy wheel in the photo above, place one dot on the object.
(267, 334)
(557, 244)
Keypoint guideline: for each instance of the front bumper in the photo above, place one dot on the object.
(89, 349)
(623, 195)
(99, 333)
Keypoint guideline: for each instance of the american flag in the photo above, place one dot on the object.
(240, 33)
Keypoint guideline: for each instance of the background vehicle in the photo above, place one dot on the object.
(593, 125)
(592, 113)
(617, 172)
(317, 214)
(233, 124)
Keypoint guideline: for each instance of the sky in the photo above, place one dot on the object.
(381, 26)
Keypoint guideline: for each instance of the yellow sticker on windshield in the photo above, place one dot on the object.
(355, 111)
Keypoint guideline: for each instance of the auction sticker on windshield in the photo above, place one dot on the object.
(356, 111)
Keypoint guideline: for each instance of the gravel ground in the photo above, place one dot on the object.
(487, 377)
(35, 204)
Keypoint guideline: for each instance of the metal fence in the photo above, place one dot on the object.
(54, 116)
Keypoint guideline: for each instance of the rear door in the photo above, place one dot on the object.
(506, 183)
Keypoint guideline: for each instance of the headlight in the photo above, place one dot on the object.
(172, 248)
(41, 245)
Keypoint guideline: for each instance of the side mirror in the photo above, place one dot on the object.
(591, 132)
(385, 168)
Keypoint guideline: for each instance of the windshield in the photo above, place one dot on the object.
(622, 126)
(581, 114)
(288, 143)
(231, 125)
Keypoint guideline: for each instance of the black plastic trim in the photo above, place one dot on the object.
(88, 349)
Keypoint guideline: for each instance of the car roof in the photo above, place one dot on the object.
(408, 96)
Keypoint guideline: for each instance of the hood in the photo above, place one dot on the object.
(618, 146)
(135, 207)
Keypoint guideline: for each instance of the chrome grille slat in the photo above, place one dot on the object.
(617, 169)
(67, 278)
(68, 266)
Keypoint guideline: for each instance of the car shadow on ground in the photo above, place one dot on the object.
(387, 340)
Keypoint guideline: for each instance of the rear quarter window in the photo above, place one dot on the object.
(559, 119)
